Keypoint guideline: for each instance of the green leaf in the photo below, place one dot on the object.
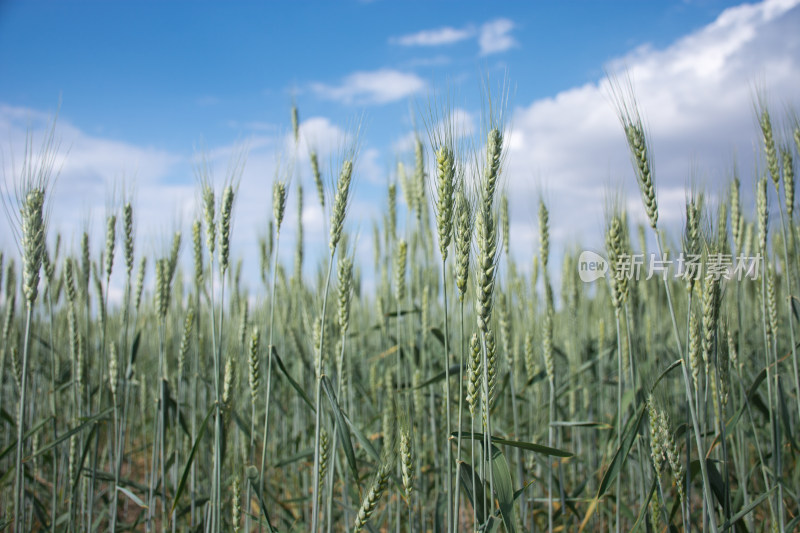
(795, 307)
(519, 492)
(732, 423)
(643, 510)
(295, 385)
(717, 483)
(82, 460)
(748, 509)
(176, 414)
(299, 456)
(504, 489)
(491, 525)
(134, 353)
(756, 382)
(392, 314)
(133, 497)
(438, 334)
(188, 467)
(675, 364)
(784, 413)
(452, 371)
(28, 434)
(341, 428)
(365, 442)
(123, 482)
(530, 446)
(628, 436)
(478, 501)
(536, 378)
(586, 424)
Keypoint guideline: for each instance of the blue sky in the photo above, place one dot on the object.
(145, 85)
(167, 74)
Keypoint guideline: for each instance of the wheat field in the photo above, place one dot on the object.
(440, 387)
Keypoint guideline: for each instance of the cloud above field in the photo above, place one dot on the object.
(696, 97)
(493, 36)
(90, 169)
(461, 121)
(436, 37)
(372, 87)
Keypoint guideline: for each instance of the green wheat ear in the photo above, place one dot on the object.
(406, 453)
(788, 180)
(278, 203)
(111, 239)
(341, 201)
(225, 228)
(445, 165)
(228, 382)
(324, 452)
(127, 223)
(544, 235)
(638, 145)
(113, 374)
(463, 240)
(372, 497)
(762, 213)
(253, 365)
(770, 150)
(400, 270)
(296, 123)
(209, 212)
(616, 249)
(315, 172)
(33, 232)
(345, 292)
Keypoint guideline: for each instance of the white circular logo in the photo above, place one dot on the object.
(591, 266)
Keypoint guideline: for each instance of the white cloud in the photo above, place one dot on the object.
(436, 37)
(462, 123)
(428, 61)
(372, 87)
(495, 36)
(696, 97)
(91, 168)
(369, 166)
(320, 134)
